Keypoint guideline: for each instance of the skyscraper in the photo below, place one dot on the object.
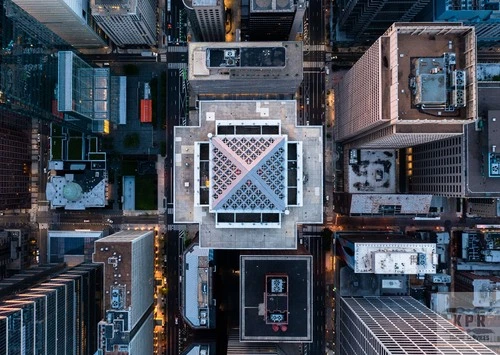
(127, 327)
(415, 84)
(15, 164)
(364, 20)
(268, 20)
(70, 20)
(127, 22)
(208, 19)
(398, 325)
(483, 15)
(57, 316)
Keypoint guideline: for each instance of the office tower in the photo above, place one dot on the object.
(364, 20)
(483, 15)
(247, 174)
(254, 69)
(209, 20)
(57, 316)
(70, 20)
(397, 325)
(463, 166)
(15, 166)
(31, 26)
(126, 22)
(276, 298)
(415, 84)
(268, 20)
(127, 259)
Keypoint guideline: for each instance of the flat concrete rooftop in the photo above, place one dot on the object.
(187, 208)
(253, 271)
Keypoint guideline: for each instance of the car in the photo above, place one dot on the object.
(86, 221)
(176, 321)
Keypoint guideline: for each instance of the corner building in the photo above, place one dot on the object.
(415, 84)
(247, 174)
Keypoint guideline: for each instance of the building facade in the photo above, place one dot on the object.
(397, 325)
(414, 85)
(483, 15)
(209, 20)
(15, 165)
(127, 22)
(462, 166)
(364, 20)
(57, 316)
(268, 20)
(70, 20)
(31, 26)
(127, 326)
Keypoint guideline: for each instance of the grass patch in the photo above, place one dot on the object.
(56, 149)
(73, 133)
(56, 130)
(146, 192)
(93, 145)
(75, 148)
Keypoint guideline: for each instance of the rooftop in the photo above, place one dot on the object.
(390, 204)
(420, 49)
(276, 298)
(246, 57)
(244, 60)
(197, 287)
(372, 171)
(387, 254)
(77, 191)
(246, 173)
(271, 6)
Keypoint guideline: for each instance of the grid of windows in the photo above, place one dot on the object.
(211, 20)
(436, 168)
(134, 26)
(399, 325)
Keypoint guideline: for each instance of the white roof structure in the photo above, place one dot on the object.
(405, 203)
(395, 258)
(63, 191)
(248, 174)
(196, 273)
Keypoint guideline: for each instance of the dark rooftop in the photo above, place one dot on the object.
(246, 57)
(253, 325)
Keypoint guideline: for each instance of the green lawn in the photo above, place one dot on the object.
(93, 145)
(146, 193)
(75, 148)
(56, 130)
(56, 148)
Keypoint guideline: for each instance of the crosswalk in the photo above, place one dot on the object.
(177, 65)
